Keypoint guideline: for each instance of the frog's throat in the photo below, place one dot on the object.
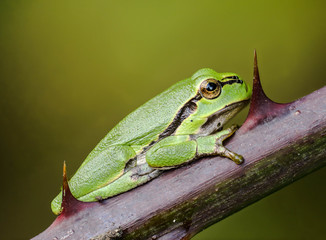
(217, 120)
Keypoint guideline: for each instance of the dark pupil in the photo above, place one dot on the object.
(211, 86)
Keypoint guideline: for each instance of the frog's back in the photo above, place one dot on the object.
(146, 123)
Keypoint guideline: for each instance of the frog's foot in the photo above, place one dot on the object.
(143, 170)
(150, 174)
(154, 174)
(146, 172)
(99, 198)
(223, 151)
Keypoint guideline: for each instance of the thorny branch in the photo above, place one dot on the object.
(280, 144)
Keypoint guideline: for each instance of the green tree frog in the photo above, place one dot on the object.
(177, 126)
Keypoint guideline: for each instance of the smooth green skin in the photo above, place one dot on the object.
(133, 152)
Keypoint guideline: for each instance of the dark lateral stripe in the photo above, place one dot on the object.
(231, 82)
(182, 114)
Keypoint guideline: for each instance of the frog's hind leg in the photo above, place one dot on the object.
(99, 169)
(129, 180)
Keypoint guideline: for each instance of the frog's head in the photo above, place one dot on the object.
(219, 97)
(220, 89)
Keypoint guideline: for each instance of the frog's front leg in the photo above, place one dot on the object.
(176, 150)
(213, 145)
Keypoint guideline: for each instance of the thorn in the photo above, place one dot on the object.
(70, 204)
(65, 182)
(262, 109)
(256, 79)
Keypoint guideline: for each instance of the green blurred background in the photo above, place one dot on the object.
(70, 70)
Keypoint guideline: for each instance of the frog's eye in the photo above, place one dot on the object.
(210, 88)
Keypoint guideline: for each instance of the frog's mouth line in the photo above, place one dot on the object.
(229, 108)
(237, 105)
(242, 103)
